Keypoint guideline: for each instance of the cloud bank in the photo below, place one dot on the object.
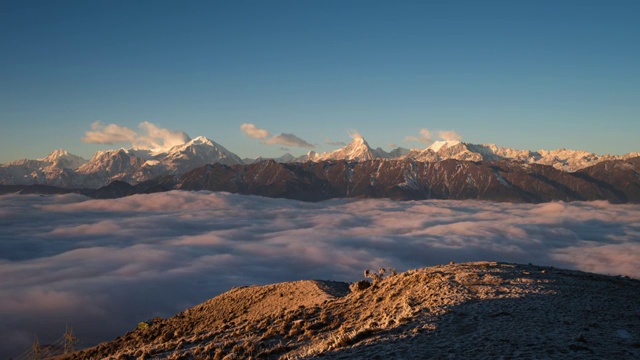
(104, 265)
(149, 137)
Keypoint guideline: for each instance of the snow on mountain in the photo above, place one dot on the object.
(561, 159)
(54, 169)
(63, 159)
(130, 165)
(572, 160)
(107, 166)
(357, 150)
(195, 153)
(443, 150)
(134, 166)
(437, 145)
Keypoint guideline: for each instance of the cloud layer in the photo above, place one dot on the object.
(104, 265)
(150, 136)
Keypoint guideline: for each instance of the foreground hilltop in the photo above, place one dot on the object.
(470, 310)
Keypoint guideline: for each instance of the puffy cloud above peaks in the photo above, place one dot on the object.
(159, 138)
(288, 140)
(149, 137)
(354, 134)
(109, 134)
(283, 139)
(254, 131)
(425, 137)
(449, 135)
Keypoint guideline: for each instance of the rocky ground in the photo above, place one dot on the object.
(483, 310)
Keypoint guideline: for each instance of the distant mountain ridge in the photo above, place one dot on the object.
(617, 181)
(134, 166)
(130, 165)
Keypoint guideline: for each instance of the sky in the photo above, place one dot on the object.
(521, 74)
(102, 266)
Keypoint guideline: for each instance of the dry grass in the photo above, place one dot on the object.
(306, 319)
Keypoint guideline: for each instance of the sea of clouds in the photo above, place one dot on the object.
(102, 266)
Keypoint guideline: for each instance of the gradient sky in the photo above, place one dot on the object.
(522, 74)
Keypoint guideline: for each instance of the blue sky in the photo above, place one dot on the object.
(523, 74)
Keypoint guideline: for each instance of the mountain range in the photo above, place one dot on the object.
(444, 170)
(130, 165)
(133, 166)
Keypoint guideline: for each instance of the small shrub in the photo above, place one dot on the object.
(359, 286)
(348, 338)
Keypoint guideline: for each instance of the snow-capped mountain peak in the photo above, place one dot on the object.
(136, 165)
(63, 159)
(442, 144)
(200, 140)
(202, 149)
(357, 150)
(55, 155)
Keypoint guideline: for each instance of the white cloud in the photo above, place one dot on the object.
(254, 132)
(155, 137)
(354, 134)
(288, 140)
(150, 137)
(282, 139)
(69, 259)
(109, 134)
(449, 135)
(425, 137)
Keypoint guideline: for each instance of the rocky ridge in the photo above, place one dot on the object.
(471, 310)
